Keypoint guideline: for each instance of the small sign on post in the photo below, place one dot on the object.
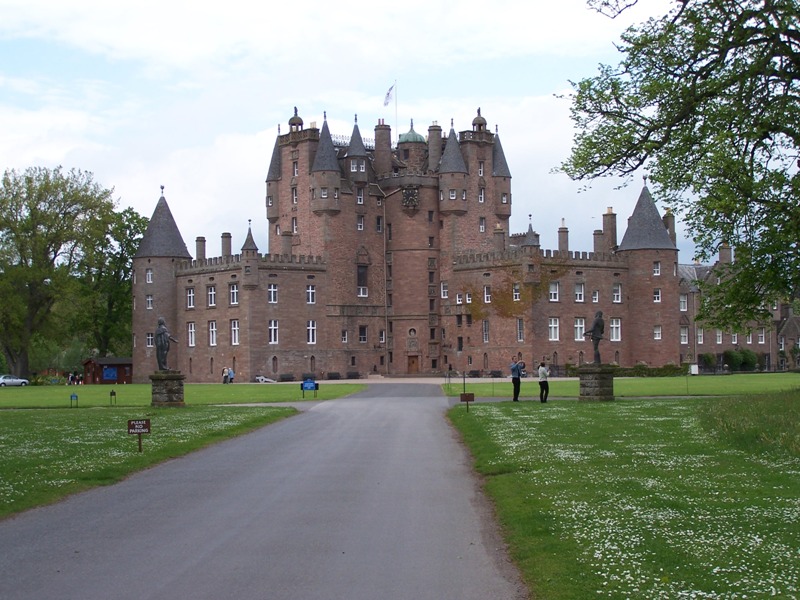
(73, 398)
(467, 397)
(138, 427)
(309, 385)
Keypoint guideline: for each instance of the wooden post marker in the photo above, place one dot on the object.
(138, 427)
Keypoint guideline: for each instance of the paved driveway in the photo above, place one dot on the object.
(364, 498)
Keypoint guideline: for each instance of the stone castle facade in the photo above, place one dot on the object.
(397, 260)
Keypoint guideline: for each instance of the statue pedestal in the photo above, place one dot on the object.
(596, 383)
(167, 388)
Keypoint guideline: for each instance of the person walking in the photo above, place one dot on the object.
(225, 375)
(516, 374)
(230, 374)
(544, 385)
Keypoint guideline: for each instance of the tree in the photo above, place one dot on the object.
(706, 101)
(48, 220)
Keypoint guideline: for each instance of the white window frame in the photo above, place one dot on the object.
(504, 198)
(595, 296)
(701, 335)
(657, 268)
(294, 195)
(311, 331)
(233, 293)
(684, 332)
(553, 329)
(211, 295)
(148, 301)
(554, 288)
(452, 194)
(212, 333)
(719, 336)
(734, 338)
(272, 328)
(190, 297)
(580, 329)
(683, 302)
(482, 195)
(487, 294)
(191, 330)
(443, 291)
(762, 335)
(580, 289)
(657, 295)
(362, 291)
(616, 293)
(311, 294)
(520, 330)
(150, 340)
(234, 332)
(360, 196)
(272, 293)
(362, 334)
(480, 168)
(360, 223)
(485, 330)
(482, 225)
(468, 298)
(516, 293)
(615, 329)
(459, 298)
(148, 275)
(657, 332)
(344, 336)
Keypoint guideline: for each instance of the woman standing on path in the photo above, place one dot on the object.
(544, 386)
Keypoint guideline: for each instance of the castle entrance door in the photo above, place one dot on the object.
(413, 365)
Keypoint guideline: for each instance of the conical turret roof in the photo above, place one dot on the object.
(162, 237)
(452, 159)
(326, 159)
(249, 242)
(646, 230)
(274, 172)
(356, 147)
(499, 164)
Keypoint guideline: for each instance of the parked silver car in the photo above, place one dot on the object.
(11, 380)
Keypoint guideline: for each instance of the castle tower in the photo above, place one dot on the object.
(154, 290)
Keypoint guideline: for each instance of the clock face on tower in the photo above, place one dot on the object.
(410, 197)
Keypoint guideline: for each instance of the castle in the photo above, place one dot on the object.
(397, 260)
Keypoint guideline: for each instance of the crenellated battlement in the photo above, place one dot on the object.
(489, 259)
(222, 263)
(293, 259)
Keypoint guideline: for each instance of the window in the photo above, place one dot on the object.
(379, 224)
(616, 330)
(212, 295)
(294, 224)
(190, 297)
(579, 290)
(360, 196)
(269, 200)
(734, 338)
(452, 194)
(657, 295)
(443, 289)
(700, 335)
(504, 198)
(762, 335)
(515, 292)
(148, 301)
(361, 281)
(148, 275)
(360, 222)
(150, 340)
(482, 195)
(344, 336)
(580, 329)
(552, 329)
(233, 293)
(553, 291)
(520, 330)
(482, 224)
(335, 192)
(616, 293)
(782, 344)
(294, 195)
(311, 294)
(485, 328)
(362, 334)
(234, 332)
(295, 169)
(595, 296)
(469, 297)
(273, 331)
(311, 332)
(683, 302)
(459, 298)
(272, 293)
(657, 332)
(657, 267)
(749, 337)
(212, 333)
(382, 336)
(487, 294)
(353, 166)
(684, 334)
(719, 336)
(191, 330)
(323, 192)
(463, 194)
(480, 168)
(362, 165)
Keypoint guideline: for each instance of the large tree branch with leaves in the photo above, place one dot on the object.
(706, 101)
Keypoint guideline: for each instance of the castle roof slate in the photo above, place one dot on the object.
(499, 164)
(646, 230)
(452, 159)
(356, 147)
(249, 242)
(326, 160)
(274, 171)
(162, 237)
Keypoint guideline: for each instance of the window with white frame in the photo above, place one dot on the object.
(504, 198)
(272, 293)
(148, 301)
(463, 194)
(362, 334)
(150, 340)
(468, 297)
(295, 169)
(553, 291)
(485, 328)
(487, 294)
(294, 195)
(684, 334)
(212, 295)
(379, 224)
(443, 289)
(294, 224)
(311, 294)
(191, 330)
(360, 222)
(148, 275)
(323, 192)
(233, 293)
(212, 333)
(515, 292)
(234, 332)
(344, 336)
(482, 195)
(360, 196)
(459, 298)
(580, 329)
(657, 332)
(190, 297)
(520, 330)
(762, 335)
(657, 295)
(734, 338)
(382, 336)
(362, 291)
(552, 329)
(362, 165)
(749, 338)
(353, 165)
(273, 331)
(616, 293)
(595, 296)
(269, 200)
(616, 330)
(700, 335)
(782, 344)
(657, 267)
(480, 168)
(311, 332)
(482, 224)
(579, 292)
(683, 302)
(452, 194)
(719, 336)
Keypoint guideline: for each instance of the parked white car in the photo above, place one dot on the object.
(11, 380)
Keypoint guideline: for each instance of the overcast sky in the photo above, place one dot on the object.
(189, 95)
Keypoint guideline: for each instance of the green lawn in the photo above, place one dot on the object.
(56, 396)
(696, 385)
(646, 498)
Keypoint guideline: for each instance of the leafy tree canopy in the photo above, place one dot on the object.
(706, 101)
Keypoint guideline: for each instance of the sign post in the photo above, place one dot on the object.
(310, 385)
(467, 397)
(138, 427)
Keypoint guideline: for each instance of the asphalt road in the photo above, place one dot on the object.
(364, 498)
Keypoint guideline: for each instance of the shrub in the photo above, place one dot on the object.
(732, 358)
(749, 359)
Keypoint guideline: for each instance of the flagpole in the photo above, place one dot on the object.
(395, 111)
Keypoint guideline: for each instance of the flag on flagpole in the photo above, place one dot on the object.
(388, 97)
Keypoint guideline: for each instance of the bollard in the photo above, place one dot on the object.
(112, 398)
(73, 398)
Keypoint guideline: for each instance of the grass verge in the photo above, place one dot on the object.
(645, 498)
